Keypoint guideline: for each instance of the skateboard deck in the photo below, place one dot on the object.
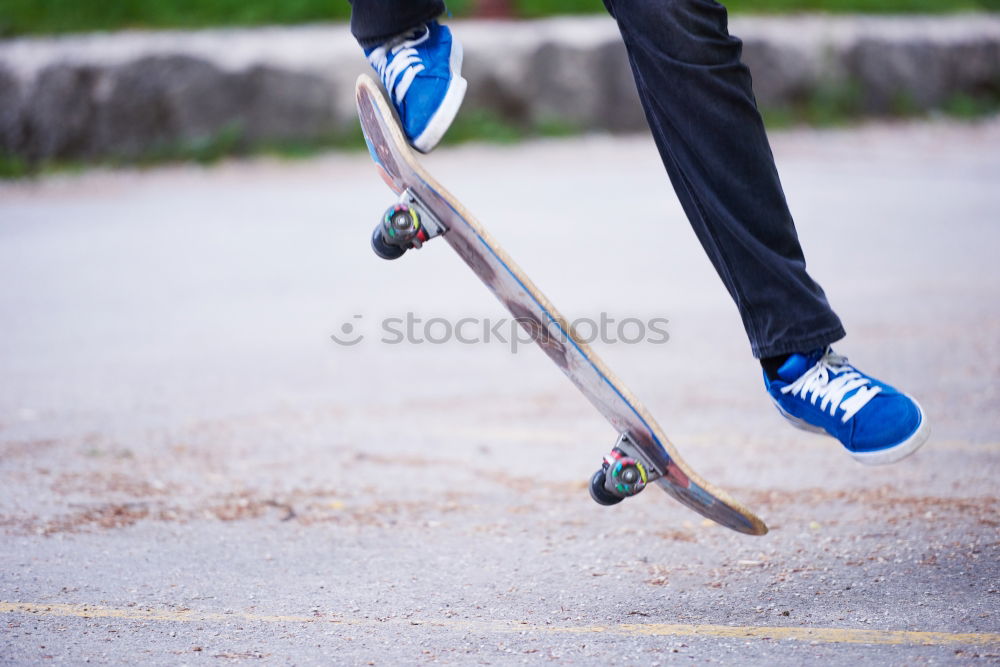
(638, 430)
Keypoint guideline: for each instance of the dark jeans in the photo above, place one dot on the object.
(700, 107)
(375, 21)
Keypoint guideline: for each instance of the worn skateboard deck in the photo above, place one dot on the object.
(399, 168)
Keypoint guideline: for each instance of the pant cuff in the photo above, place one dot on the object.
(821, 339)
(385, 33)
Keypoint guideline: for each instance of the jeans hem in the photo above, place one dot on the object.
(371, 42)
(821, 339)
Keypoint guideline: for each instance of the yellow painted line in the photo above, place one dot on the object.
(138, 614)
(823, 635)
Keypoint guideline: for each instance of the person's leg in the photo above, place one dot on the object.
(373, 22)
(698, 100)
(418, 60)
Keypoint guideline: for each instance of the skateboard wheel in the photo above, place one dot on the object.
(624, 475)
(600, 494)
(383, 249)
(401, 220)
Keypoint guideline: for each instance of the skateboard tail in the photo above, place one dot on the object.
(707, 505)
(376, 141)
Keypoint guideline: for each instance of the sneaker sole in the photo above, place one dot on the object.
(900, 451)
(446, 112)
(799, 423)
(877, 457)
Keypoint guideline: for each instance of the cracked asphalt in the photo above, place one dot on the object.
(194, 471)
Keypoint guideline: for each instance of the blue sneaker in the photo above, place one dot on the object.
(422, 72)
(821, 392)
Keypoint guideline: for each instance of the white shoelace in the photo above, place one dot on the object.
(398, 74)
(831, 379)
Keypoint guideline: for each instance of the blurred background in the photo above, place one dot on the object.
(18, 17)
(186, 210)
(145, 82)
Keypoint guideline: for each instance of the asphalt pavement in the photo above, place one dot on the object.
(195, 470)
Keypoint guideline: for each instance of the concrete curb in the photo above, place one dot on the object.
(126, 94)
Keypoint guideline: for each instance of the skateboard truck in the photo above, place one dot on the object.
(622, 474)
(406, 224)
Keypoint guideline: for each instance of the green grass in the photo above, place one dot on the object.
(471, 125)
(55, 16)
(970, 108)
(12, 167)
(483, 125)
(837, 106)
(827, 108)
(23, 17)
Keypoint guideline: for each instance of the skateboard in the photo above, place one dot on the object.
(642, 454)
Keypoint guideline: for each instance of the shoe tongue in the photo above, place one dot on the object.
(797, 364)
(794, 367)
(398, 39)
